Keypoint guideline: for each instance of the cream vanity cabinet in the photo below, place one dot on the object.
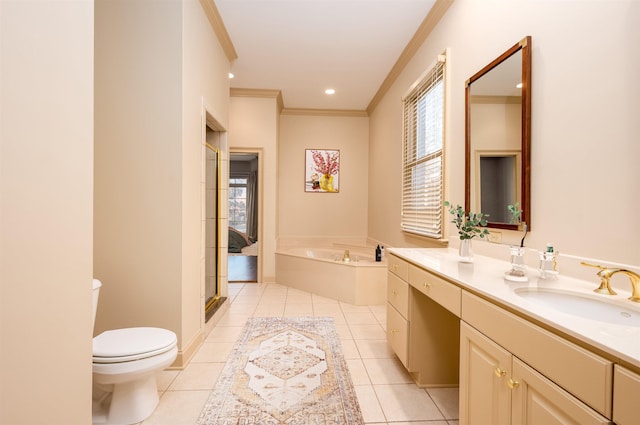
(505, 363)
(398, 308)
(423, 325)
(626, 392)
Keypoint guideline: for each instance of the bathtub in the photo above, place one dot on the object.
(322, 271)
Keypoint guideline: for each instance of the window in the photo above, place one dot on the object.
(422, 161)
(238, 203)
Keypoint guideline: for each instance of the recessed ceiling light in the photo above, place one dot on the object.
(231, 75)
(330, 91)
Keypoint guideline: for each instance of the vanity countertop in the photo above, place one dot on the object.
(485, 276)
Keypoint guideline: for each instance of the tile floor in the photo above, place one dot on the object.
(385, 391)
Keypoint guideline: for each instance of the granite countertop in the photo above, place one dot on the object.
(485, 276)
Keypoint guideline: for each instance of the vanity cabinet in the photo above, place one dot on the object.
(422, 332)
(504, 360)
(397, 317)
(511, 368)
(626, 391)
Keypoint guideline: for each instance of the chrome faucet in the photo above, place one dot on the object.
(605, 286)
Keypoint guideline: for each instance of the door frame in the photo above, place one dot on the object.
(259, 152)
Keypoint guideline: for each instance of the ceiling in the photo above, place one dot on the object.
(303, 47)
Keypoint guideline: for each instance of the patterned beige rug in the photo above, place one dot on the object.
(284, 371)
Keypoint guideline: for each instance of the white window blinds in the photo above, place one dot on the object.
(423, 134)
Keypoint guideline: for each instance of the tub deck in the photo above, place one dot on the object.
(358, 283)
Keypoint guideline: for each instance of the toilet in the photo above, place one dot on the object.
(125, 365)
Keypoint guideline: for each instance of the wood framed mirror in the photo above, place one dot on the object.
(498, 137)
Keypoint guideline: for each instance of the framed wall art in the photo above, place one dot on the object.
(322, 170)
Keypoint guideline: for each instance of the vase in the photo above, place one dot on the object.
(326, 182)
(465, 252)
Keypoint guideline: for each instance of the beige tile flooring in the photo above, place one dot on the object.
(385, 391)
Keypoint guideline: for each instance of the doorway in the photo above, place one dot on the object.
(244, 216)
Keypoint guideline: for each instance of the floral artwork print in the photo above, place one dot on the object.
(322, 170)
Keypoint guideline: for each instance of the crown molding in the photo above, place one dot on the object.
(428, 24)
(265, 93)
(325, 112)
(277, 94)
(219, 29)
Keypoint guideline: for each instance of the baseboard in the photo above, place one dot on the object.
(187, 352)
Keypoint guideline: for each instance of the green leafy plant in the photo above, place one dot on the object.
(516, 218)
(468, 224)
(516, 213)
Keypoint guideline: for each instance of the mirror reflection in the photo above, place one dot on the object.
(498, 137)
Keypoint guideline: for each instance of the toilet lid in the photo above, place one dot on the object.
(121, 345)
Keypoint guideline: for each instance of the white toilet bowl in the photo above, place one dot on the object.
(125, 365)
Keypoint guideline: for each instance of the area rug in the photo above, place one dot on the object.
(284, 371)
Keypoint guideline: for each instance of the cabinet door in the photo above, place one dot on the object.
(397, 334)
(626, 391)
(485, 368)
(538, 401)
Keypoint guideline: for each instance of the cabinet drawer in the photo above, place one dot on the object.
(626, 388)
(444, 293)
(536, 399)
(397, 334)
(398, 294)
(398, 267)
(584, 374)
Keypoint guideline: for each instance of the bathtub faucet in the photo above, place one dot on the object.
(345, 257)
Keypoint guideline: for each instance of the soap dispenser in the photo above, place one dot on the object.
(548, 267)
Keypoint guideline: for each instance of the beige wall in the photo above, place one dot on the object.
(138, 154)
(585, 178)
(497, 127)
(155, 69)
(205, 86)
(253, 124)
(46, 165)
(333, 216)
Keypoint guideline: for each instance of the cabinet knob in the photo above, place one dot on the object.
(394, 292)
(426, 285)
(395, 267)
(499, 372)
(394, 331)
(513, 384)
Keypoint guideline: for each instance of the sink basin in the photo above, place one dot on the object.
(582, 305)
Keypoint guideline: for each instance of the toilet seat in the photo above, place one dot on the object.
(130, 344)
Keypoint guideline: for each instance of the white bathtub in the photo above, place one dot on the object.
(321, 271)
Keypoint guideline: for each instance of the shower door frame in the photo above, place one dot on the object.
(210, 304)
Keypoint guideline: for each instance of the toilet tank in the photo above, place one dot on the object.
(96, 292)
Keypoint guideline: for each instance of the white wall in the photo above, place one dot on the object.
(46, 185)
(585, 178)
